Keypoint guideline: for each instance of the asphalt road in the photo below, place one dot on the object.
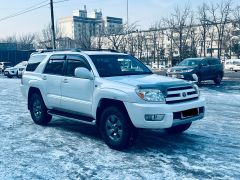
(65, 149)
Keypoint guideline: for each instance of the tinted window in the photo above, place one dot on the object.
(118, 65)
(72, 65)
(213, 61)
(55, 65)
(204, 63)
(190, 62)
(34, 61)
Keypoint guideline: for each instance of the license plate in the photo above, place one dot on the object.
(189, 113)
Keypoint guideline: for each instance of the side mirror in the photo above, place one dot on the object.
(83, 73)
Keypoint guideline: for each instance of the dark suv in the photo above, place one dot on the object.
(198, 69)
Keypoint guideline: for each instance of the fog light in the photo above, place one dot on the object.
(154, 117)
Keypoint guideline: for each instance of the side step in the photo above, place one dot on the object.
(83, 119)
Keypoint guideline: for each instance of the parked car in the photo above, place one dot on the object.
(198, 69)
(232, 65)
(113, 91)
(17, 70)
(155, 66)
(4, 65)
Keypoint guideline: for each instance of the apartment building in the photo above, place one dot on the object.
(84, 23)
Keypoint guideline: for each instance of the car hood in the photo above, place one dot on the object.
(147, 81)
(15, 68)
(10, 69)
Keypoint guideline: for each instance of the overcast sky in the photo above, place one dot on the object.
(144, 12)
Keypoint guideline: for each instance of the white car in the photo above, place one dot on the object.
(4, 65)
(114, 91)
(155, 66)
(232, 65)
(17, 70)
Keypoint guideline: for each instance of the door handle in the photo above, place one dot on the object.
(44, 77)
(65, 81)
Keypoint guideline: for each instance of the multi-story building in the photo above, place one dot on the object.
(82, 23)
(162, 44)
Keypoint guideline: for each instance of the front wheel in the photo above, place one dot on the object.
(178, 129)
(38, 110)
(116, 128)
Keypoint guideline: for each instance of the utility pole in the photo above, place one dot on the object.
(127, 47)
(53, 27)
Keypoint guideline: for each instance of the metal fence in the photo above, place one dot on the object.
(15, 56)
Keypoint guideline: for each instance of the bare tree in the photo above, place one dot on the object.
(220, 15)
(179, 24)
(203, 20)
(117, 37)
(25, 41)
(10, 39)
(44, 39)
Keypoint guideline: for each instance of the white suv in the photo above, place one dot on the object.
(114, 91)
(17, 70)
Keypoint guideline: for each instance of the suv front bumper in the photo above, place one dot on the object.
(185, 76)
(171, 113)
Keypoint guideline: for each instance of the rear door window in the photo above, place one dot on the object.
(55, 65)
(34, 61)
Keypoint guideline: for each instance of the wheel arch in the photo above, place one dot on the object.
(31, 91)
(106, 102)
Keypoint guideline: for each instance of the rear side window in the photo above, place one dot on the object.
(214, 61)
(34, 61)
(55, 65)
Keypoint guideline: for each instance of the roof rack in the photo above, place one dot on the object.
(56, 50)
(75, 50)
(96, 49)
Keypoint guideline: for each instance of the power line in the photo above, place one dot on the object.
(29, 9)
(25, 10)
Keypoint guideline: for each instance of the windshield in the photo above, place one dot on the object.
(118, 65)
(190, 62)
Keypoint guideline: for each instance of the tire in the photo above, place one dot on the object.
(218, 79)
(235, 70)
(38, 110)
(18, 76)
(10, 76)
(199, 79)
(178, 129)
(116, 128)
(231, 69)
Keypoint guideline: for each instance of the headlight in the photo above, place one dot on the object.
(196, 89)
(150, 95)
(187, 70)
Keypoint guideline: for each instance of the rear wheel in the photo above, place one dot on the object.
(218, 79)
(38, 110)
(116, 128)
(178, 129)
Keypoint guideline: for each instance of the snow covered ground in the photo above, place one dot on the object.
(210, 149)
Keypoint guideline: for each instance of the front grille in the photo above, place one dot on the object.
(181, 94)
